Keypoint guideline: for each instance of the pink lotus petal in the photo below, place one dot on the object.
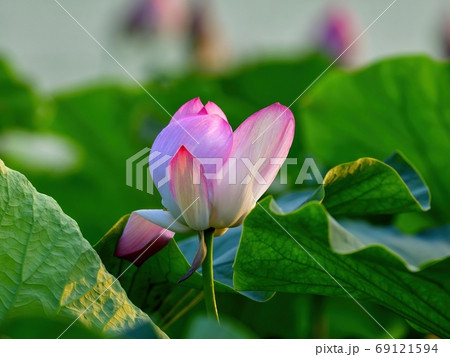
(215, 140)
(141, 239)
(265, 135)
(212, 108)
(193, 107)
(189, 187)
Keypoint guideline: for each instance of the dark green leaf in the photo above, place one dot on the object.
(295, 256)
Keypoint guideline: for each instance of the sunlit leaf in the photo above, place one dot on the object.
(368, 186)
(48, 267)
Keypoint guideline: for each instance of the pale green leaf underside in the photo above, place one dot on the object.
(47, 266)
(416, 251)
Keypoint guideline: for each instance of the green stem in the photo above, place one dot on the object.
(208, 275)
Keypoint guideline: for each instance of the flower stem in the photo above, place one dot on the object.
(208, 276)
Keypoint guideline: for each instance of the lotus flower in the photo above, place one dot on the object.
(199, 195)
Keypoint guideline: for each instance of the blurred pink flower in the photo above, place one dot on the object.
(158, 16)
(339, 30)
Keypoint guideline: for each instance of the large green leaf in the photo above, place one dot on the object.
(292, 253)
(396, 104)
(368, 186)
(47, 266)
